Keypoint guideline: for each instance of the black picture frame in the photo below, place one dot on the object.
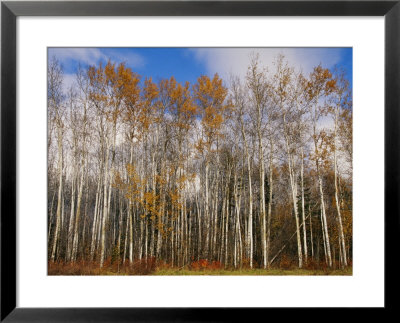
(10, 10)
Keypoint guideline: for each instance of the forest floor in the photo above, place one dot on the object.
(92, 269)
(257, 272)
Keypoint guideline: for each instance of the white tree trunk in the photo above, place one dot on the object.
(302, 207)
(341, 239)
(59, 200)
(105, 210)
(78, 213)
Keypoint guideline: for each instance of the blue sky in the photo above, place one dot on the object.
(187, 64)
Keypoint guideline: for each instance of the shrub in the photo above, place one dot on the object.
(215, 265)
(144, 266)
(286, 262)
(199, 264)
(204, 264)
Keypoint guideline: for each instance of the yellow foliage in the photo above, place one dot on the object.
(210, 95)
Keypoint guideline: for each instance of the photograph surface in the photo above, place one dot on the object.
(199, 161)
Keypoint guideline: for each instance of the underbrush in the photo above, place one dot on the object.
(204, 264)
(149, 266)
(144, 266)
(254, 272)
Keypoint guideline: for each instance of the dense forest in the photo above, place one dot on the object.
(250, 172)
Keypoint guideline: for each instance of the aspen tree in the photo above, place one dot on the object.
(56, 114)
(240, 102)
(340, 97)
(83, 83)
(210, 95)
(257, 86)
(317, 87)
(74, 148)
(282, 83)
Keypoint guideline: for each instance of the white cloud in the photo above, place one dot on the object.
(88, 56)
(326, 123)
(91, 56)
(225, 61)
(125, 55)
(68, 81)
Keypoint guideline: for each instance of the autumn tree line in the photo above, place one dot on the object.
(248, 172)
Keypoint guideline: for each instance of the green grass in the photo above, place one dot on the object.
(254, 272)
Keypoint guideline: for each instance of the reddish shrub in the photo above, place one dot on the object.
(79, 267)
(163, 265)
(215, 265)
(200, 264)
(286, 262)
(203, 264)
(316, 265)
(246, 263)
(144, 266)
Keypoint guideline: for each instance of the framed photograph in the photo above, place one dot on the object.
(197, 161)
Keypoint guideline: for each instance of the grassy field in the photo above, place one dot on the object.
(256, 272)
